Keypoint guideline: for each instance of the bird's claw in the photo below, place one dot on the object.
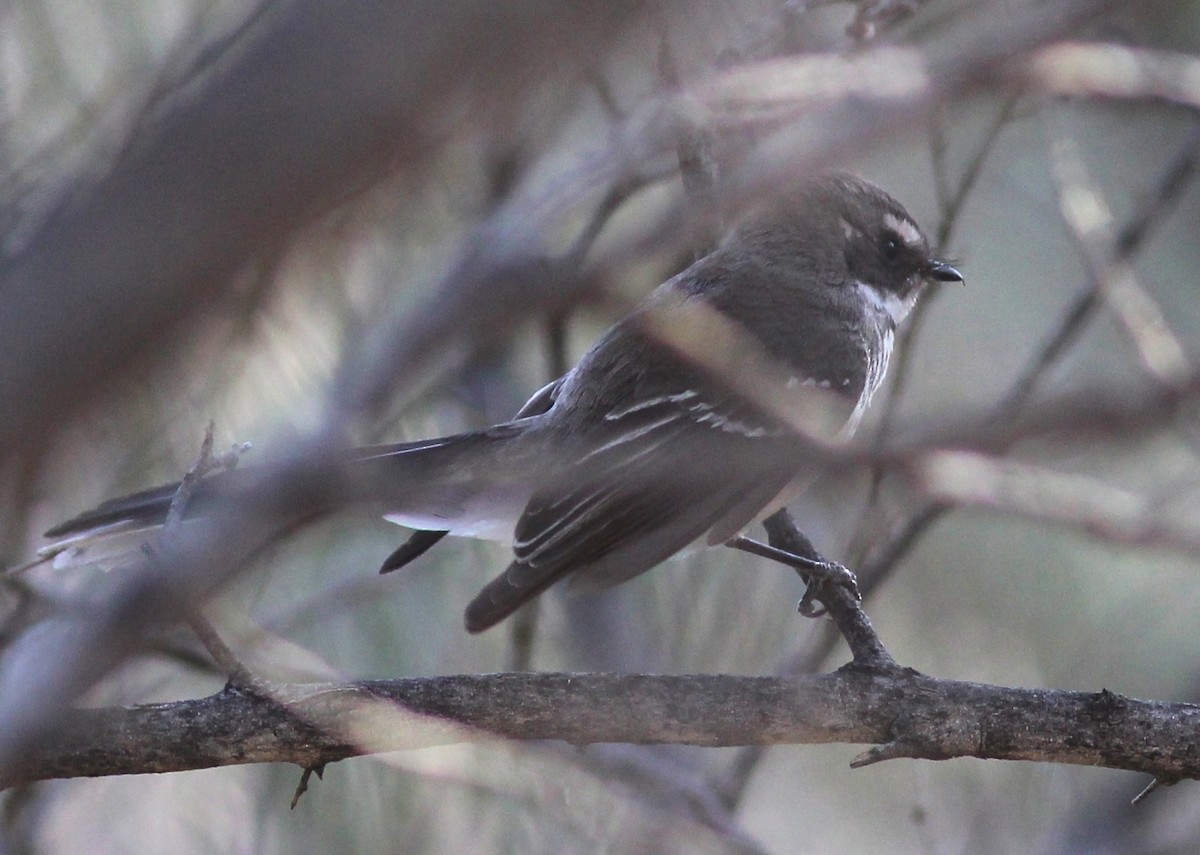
(822, 576)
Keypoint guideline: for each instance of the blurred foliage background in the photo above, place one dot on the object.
(981, 596)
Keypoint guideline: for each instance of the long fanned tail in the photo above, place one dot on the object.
(418, 474)
(141, 509)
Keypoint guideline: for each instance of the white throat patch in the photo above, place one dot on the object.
(886, 302)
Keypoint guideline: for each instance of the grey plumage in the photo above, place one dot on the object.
(642, 448)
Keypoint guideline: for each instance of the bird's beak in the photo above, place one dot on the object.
(942, 271)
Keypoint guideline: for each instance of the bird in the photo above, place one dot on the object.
(668, 432)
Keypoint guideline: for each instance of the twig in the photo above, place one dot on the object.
(1150, 788)
(966, 479)
(842, 604)
(232, 667)
(950, 204)
(524, 623)
(305, 776)
(236, 672)
(1089, 222)
(1074, 68)
(694, 149)
(873, 567)
(671, 784)
(1129, 240)
(187, 486)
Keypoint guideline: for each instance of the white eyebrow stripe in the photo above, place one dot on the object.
(907, 229)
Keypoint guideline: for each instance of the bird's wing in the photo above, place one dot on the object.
(656, 475)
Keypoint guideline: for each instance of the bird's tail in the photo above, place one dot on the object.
(438, 478)
(141, 509)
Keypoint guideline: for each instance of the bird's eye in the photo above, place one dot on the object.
(891, 246)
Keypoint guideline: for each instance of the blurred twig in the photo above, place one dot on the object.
(950, 205)
(106, 278)
(222, 655)
(660, 780)
(499, 276)
(1128, 241)
(905, 534)
(951, 202)
(1114, 71)
(1112, 514)
(1089, 223)
(1153, 208)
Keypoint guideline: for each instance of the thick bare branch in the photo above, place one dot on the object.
(908, 713)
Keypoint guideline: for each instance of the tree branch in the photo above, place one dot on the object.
(904, 712)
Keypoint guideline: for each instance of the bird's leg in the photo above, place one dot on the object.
(817, 571)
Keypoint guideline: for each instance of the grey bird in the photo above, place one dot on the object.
(659, 437)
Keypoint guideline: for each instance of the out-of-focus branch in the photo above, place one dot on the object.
(1129, 239)
(309, 105)
(1154, 206)
(1106, 512)
(92, 641)
(1089, 221)
(873, 15)
(1114, 71)
(950, 203)
(88, 264)
(906, 713)
(662, 780)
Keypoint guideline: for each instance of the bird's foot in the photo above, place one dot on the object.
(821, 575)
